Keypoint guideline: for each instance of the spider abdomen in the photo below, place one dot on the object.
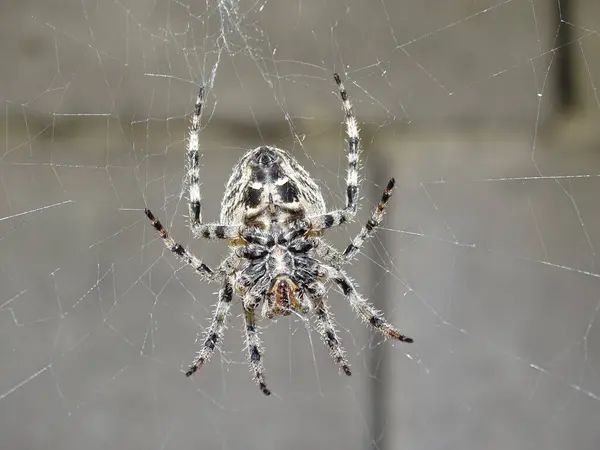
(269, 186)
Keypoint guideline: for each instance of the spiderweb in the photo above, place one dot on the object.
(487, 257)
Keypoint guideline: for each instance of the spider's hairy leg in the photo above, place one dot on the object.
(335, 218)
(216, 231)
(326, 327)
(327, 252)
(193, 164)
(210, 230)
(353, 147)
(366, 311)
(371, 226)
(214, 333)
(183, 254)
(254, 348)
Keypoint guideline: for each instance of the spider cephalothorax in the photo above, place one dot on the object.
(278, 270)
(273, 216)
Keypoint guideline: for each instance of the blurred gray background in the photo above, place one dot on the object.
(486, 112)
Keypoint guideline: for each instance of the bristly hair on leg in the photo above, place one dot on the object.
(193, 164)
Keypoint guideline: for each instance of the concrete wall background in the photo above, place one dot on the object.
(487, 257)
(72, 56)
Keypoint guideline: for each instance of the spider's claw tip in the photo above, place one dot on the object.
(346, 370)
(191, 371)
(394, 334)
(265, 390)
(148, 214)
(391, 184)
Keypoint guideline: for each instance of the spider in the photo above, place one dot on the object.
(273, 216)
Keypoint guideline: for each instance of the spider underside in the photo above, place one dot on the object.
(273, 216)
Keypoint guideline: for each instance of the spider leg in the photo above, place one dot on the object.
(254, 348)
(183, 254)
(326, 327)
(214, 333)
(366, 311)
(353, 150)
(211, 230)
(327, 252)
(371, 226)
(193, 164)
(335, 218)
(330, 255)
(216, 231)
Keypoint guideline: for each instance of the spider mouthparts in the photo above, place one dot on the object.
(284, 294)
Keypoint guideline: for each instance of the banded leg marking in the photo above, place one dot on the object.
(214, 334)
(366, 311)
